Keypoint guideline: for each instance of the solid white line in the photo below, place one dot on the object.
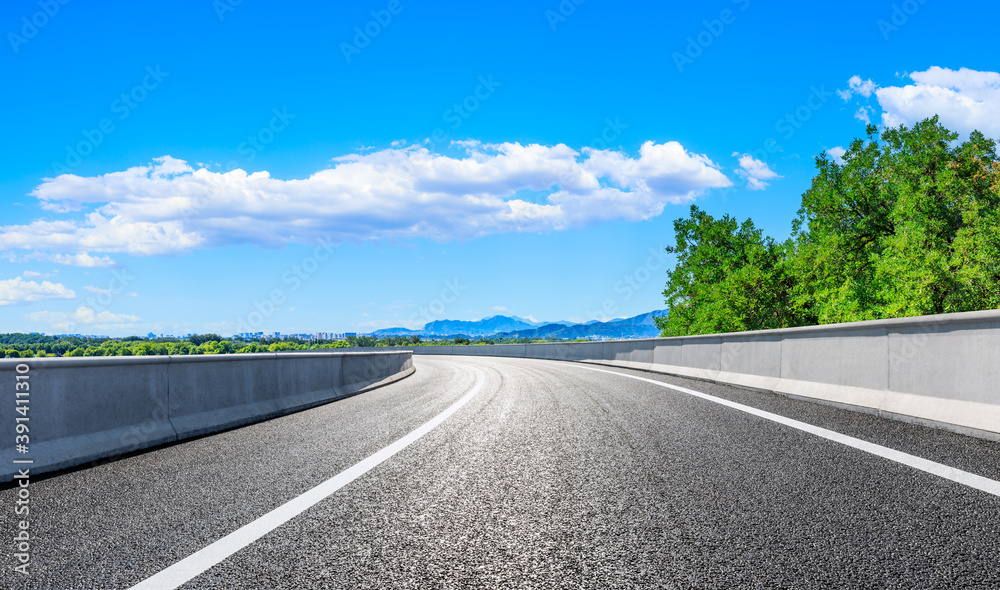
(956, 475)
(183, 571)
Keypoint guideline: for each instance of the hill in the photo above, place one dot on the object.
(499, 326)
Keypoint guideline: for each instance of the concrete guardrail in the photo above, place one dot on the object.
(84, 409)
(940, 370)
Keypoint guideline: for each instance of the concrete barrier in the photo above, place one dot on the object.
(85, 409)
(941, 370)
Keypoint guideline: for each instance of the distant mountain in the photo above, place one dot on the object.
(640, 326)
(397, 332)
(484, 327)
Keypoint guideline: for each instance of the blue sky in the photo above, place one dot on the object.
(247, 166)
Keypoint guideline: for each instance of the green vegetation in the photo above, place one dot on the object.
(35, 345)
(908, 224)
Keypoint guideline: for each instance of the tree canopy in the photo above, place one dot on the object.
(906, 223)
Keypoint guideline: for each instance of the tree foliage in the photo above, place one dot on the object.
(906, 226)
(729, 277)
(199, 339)
(907, 223)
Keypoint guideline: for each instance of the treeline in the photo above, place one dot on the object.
(908, 223)
(18, 345)
(35, 345)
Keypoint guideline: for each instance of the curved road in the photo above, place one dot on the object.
(539, 474)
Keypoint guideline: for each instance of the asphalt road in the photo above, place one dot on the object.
(550, 476)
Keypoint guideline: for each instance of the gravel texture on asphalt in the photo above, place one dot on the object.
(551, 477)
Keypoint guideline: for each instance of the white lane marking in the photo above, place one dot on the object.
(956, 475)
(185, 570)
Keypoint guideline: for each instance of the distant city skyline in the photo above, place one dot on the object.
(385, 164)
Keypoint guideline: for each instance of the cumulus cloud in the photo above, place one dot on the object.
(83, 315)
(168, 207)
(755, 172)
(18, 290)
(964, 99)
(837, 153)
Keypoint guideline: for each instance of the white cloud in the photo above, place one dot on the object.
(34, 274)
(863, 87)
(501, 309)
(83, 315)
(837, 153)
(964, 99)
(98, 290)
(81, 259)
(18, 290)
(755, 171)
(857, 86)
(168, 207)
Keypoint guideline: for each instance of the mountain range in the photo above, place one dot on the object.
(501, 326)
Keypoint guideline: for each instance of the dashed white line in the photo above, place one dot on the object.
(185, 570)
(950, 473)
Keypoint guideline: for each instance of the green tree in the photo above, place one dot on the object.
(209, 347)
(280, 346)
(361, 341)
(908, 224)
(199, 339)
(728, 277)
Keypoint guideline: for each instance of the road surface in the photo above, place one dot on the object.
(519, 473)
